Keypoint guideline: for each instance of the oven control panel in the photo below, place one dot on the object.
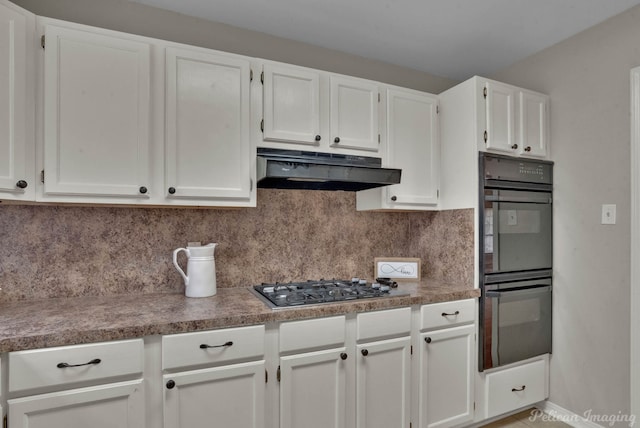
(496, 167)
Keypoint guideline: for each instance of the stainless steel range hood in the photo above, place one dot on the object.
(294, 169)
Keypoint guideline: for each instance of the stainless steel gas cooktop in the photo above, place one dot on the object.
(282, 295)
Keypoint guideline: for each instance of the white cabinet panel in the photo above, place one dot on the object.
(80, 363)
(500, 109)
(383, 383)
(208, 152)
(446, 377)
(291, 104)
(354, 113)
(17, 161)
(117, 405)
(412, 139)
(533, 124)
(224, 345)
(96, 114)
(515, 387)
(229, 396)
(312, 390)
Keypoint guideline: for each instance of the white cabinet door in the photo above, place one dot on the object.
(354, 113)
(96, 114)
(17, 161)
(500, 109)
(446, 377)
(208, 152)
(117, 405)
(312, 390)
(228, 396)
(533, 124)
(383, 383)
(412, 139)
(291, 103)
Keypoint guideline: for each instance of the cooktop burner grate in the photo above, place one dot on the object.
(280, 295)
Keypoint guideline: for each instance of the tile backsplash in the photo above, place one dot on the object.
(62, 251)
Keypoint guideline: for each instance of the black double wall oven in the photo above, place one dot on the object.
(515, 256)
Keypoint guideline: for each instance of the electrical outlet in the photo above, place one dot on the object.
(512, 218)
(609, 214)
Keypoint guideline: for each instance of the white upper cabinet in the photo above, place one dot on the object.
(412, 144)
(17, 161)
(354, 113)
(291, 104)
(500, 107)
(307, 109)
(96, 114)
(208, 151)
(516, 120)
(533, 124)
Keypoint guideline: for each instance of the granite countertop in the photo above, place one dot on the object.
(31, 324)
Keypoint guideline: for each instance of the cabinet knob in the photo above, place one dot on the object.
(527, 149)
(394, 198)
(172, 190)
(343, 356)
(365, 352)
(171, 384)
(22, 184)
(318, 138)
(143, 190)
(514, 146)
(427, 339)
(336, 140)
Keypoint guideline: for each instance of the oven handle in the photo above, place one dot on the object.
(518, 292)
(515, 196)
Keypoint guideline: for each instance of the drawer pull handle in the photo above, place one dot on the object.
(518, 389)
(205, 346)
(65, 365)
(444, 314)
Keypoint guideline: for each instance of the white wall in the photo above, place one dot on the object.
(587, 77)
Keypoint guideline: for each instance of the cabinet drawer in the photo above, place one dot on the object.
(310, 334)
(380, 324)
(212, 347)
(73, 364)
(516, 387)
(447, 314)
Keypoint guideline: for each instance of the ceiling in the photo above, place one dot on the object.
(448, 38)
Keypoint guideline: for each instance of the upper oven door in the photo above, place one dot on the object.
(516, 231)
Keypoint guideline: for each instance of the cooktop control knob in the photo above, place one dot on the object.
(384, 288)
(362, 282)
(355, 280)
(375, 285)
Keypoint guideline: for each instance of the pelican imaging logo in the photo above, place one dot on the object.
(589, 416)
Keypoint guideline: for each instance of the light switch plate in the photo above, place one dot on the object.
(608, 214)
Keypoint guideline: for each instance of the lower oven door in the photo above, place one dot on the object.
(516, 322)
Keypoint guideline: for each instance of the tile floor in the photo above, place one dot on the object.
(531, 418)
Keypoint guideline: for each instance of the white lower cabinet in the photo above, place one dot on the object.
(312, 389)
(446, 377)
(228, 396)
(117, 405)
(77, 386)
(446, 364)
(214, 378)
(515, 387)
(383, 383)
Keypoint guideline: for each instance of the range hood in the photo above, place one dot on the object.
(294, 169)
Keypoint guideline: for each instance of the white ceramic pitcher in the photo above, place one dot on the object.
(201, 269)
